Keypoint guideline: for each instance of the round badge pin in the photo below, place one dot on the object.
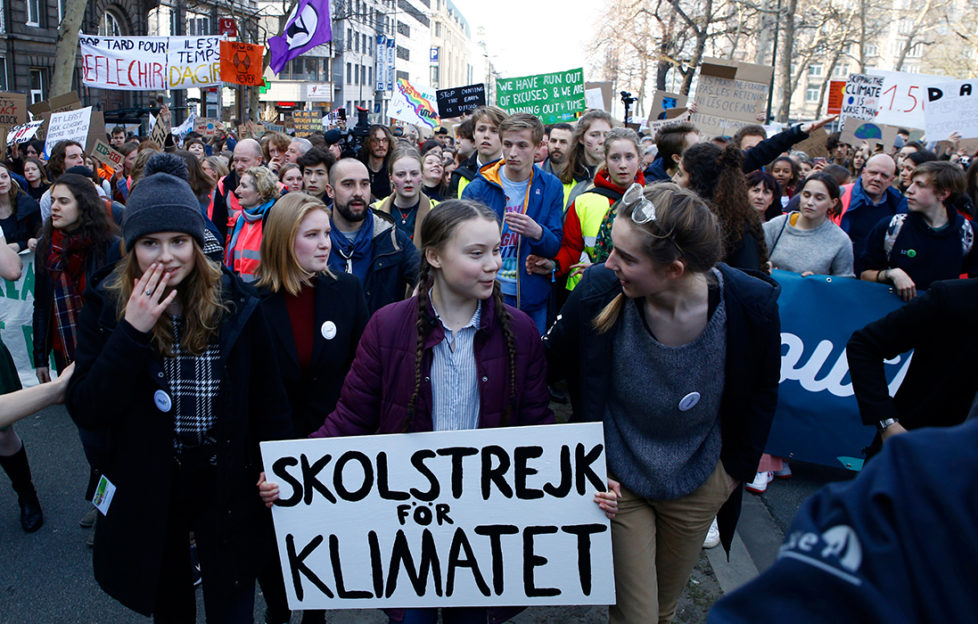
(329, 330)
(162, 400)
(689, 401)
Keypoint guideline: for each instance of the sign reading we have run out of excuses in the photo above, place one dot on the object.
(150, 63)
(483, 517)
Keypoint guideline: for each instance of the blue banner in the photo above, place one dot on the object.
(817, 418)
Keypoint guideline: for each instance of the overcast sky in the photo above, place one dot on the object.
(527, 37)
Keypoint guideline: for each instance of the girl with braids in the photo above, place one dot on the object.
(452, 357)
(175, 364)
(679, 357)
(715, 175)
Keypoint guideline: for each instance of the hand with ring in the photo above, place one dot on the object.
(147, 301)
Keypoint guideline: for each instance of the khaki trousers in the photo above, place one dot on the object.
(656, 544)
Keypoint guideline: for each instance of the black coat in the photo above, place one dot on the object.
(117, 373)
(313, 394)
(577, 353)
(44, 292)
(27, 221)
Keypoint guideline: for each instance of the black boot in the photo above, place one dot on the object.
(19, 471)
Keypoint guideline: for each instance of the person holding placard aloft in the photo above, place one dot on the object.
(453, 357)
(175, 364)
(679, 357)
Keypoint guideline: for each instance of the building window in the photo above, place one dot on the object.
(811, 94)
(366, 48)
(363, 75)
(349, 107)
(815, 69)
(109, 26)
(356, 74)
(198, 25)
(872, 49)
(33, 12)
(438, 29)
(403, 29)
(349, 74)
(403, 53)
(914, 51)
(842, 71)
(3, 73)
(401, 75)
(37, 85)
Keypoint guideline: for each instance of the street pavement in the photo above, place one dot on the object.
(46, 577)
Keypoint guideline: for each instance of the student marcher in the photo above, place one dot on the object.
(680, 358)
(930, 242)
(316, 317)
(315, 164)
(375, 154)
(20, 215)
(408, 204)
(224, 205)
(488, 149)
(176, 366)
(257, 191)
(586, 153)
(365, 243)
(13, 455)
(529, 202)
(558, 147)
(452, 357)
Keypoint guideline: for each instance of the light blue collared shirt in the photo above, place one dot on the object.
(454, 378)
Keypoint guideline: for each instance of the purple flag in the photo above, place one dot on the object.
(307, 27)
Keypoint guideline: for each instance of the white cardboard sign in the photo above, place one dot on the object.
(951, 107)
(903, 101)
(69, 125)
(483, 517)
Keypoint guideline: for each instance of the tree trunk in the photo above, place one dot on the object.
(66, 48)
(784, 64)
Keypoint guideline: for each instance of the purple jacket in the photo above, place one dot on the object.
(380, 383)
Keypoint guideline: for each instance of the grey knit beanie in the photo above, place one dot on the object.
(162, 201)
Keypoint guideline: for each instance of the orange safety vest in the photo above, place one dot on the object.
(245, 256)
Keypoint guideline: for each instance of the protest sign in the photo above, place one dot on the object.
(206, 127)
(951, 108)
(729, 95)
(593, 99)
(814, 145)
(13, 111)
(306, 122)
(663, 102)
(105, 154)
(413, 104)
(554, 98)
(150, 63)
(241, 63)
(836, 94)
(481, 517)
(607, 94)
(861, 101)
(457, 100)
(57, 104)
(68, 126)
(857, 132)
(817, 418)
(904, 96)
(24, 132)
(16, 319)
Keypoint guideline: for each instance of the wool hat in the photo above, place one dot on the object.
(332, 136)
(162, 201)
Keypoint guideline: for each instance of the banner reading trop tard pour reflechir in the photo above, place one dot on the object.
(483, 517)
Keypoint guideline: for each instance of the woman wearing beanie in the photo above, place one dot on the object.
(77, 240)
(257, 192)
(316, 317)
(176, 366)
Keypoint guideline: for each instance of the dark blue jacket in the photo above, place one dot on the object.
(895, 546)
(577, 353)
(545, 205)
(27, 223)
(656, 171)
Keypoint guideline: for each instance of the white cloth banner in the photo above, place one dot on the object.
(483, 517)
(16, 319)
(150, 63)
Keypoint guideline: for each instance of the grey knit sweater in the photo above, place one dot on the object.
(826, 250)
(663, 440)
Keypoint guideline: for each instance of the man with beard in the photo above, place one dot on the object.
(375, 154)
(558, 146)
(364, 242)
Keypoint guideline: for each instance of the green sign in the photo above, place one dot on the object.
(553, 98)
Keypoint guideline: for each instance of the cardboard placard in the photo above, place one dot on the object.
(458, 100)
(84, 125)
(13, 112)
(24, 132)
(857, 131)
(481, 517)
(732, 90)
(814, 145)
(555, 97)
(903, 101)
(105, 154)
(57, 104)
(206, 127)
(862, 97)
(307, 122)
(951, 108)
(241, 63)
(607, 90)
(663, 102)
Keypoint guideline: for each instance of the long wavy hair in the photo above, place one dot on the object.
(576, 160)
(716, 175)
(437, 228)
(200, 294)
(94, 222)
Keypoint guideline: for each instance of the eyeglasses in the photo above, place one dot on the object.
(644, 211)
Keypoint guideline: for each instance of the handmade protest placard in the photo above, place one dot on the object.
(206, 127)
(457, 518)
(602, 95)
(68, 126)
(241, 63)
(862, 97)
(858, 131)
(414, 104)
(105, 154)
(554, 97)
(729, 95)
(24, 132)
(457, 100)
(13, 111)
(57, 104)
(903, 100)
(306, 122)
(663, 102)
(150, 63)
(837, 93)
(951, 108)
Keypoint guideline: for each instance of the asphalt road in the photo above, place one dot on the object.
(46, 577)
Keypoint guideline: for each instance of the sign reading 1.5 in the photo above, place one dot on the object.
(911, 100)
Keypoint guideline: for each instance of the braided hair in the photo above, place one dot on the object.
(437, 228)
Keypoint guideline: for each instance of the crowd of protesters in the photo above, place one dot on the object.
(264, 287)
